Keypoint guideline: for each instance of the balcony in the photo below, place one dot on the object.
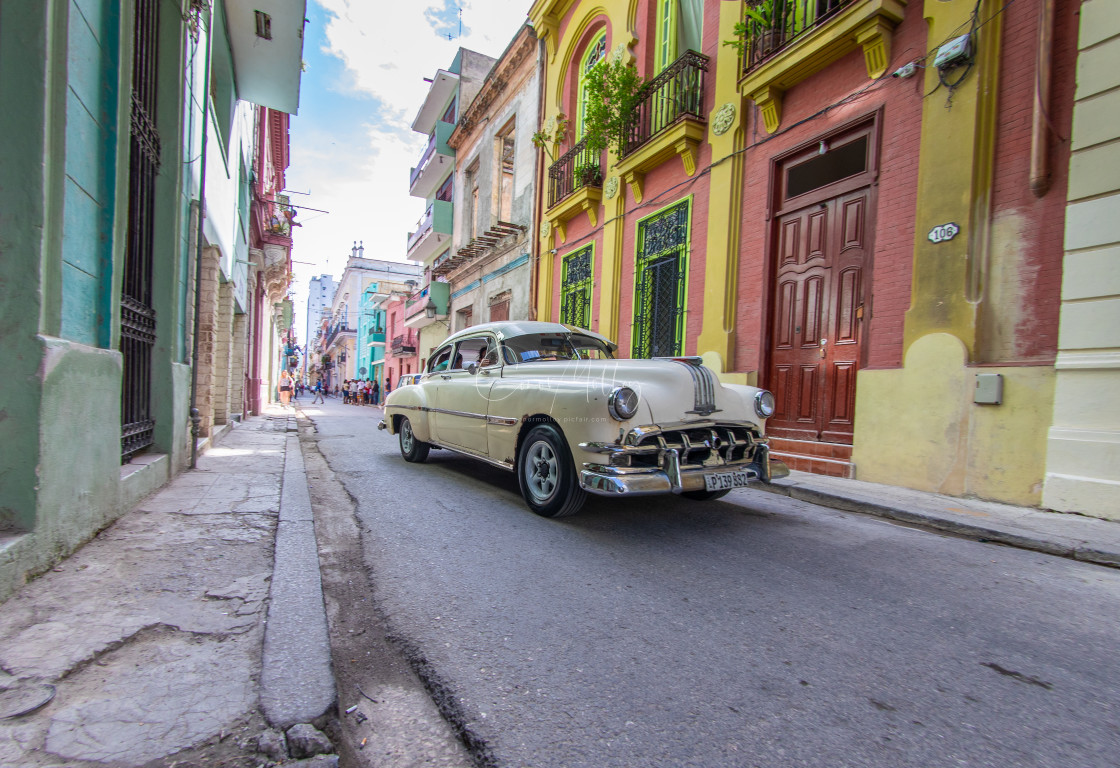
(805, 38)
(416, 308)
(432, 233)
(338, 331)
(403, 345)
(668, 122)
(435, 164)
(575, 185)
(675, 94)
(375, 337)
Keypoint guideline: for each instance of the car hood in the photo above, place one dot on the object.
(670, 390)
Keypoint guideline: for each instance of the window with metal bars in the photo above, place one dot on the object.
(575, 288)
(661, 270)
(138, 318)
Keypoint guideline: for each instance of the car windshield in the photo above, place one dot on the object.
(536, 347)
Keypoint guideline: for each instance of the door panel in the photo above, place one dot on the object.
(821, 251)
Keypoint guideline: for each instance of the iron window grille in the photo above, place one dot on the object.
(660, 275)
(138, 318)
(575, 282)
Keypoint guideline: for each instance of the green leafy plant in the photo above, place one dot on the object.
(553, 132)
(614, 91)
(589, 175)
(766, 23)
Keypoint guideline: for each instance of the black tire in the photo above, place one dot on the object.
(547, 475)
(704, 495)
(412, 449)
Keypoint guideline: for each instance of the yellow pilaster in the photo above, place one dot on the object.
(610, 276)
(544, 275)
(954, 182)
(726, 131)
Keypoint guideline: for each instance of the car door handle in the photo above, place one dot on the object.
(445, 376)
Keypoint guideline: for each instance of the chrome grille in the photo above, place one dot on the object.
(698, 447)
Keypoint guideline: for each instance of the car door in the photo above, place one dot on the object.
(463, 393)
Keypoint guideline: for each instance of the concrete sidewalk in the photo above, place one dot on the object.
(150, 640)
(1074, 536)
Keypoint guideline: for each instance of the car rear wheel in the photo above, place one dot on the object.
(547, 474)
(704, 495)
(412, 449)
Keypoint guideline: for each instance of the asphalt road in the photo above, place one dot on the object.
(752, 631)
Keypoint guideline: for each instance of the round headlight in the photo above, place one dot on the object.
(623, 403)
(764, 404)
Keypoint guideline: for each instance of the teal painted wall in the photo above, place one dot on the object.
(93, 61)
(65, 85)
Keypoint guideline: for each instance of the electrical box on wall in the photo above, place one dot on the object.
(954, 53)
(989, 388)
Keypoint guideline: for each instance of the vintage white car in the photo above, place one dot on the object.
(552, 403)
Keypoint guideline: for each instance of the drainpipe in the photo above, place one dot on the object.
(196, 418)
(535, 237)
(1041, 126)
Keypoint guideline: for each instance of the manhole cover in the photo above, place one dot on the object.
(24, 698)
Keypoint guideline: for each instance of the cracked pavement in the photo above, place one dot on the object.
(169, 658)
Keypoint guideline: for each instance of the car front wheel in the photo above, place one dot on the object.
(547, 474)
(412, 449)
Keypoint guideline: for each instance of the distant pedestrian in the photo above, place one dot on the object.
(285, 388)
(318, 393)
(376, 393)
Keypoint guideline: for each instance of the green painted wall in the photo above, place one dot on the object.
(65, 84)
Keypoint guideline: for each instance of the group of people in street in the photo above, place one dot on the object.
(361, 392)
(353, 391)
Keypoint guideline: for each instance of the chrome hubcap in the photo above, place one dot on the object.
(406, 436)
(541, 471)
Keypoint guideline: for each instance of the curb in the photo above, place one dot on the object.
(1060, 545)
(297, 684)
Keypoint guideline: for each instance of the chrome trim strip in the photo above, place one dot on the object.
(472, 455)
(502, 420)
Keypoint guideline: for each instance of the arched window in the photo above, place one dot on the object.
(596, 52)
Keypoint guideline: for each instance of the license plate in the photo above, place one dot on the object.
(723, 481)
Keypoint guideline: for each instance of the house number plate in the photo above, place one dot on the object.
(943, 233)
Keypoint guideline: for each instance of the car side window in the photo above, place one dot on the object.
(440, 360)
(469, 351)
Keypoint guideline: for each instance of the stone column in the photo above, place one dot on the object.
(209, 290)
(223, 336)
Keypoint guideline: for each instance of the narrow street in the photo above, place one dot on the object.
(752, 631)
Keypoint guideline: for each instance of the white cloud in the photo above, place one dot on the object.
(360, 172)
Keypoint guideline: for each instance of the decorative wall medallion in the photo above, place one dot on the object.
(723, 119)
(545, 228)
(610, 189)
(549, 126)
(618, 52)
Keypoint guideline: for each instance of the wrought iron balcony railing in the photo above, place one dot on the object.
(780, 23)
(403, 345)
(423, 226)
(676, 93)
(576, 168)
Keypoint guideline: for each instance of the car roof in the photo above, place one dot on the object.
(507, 329)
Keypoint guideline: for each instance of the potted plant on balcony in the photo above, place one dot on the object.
(765, 27)
(589, 175)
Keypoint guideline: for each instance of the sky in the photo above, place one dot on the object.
(351, 144)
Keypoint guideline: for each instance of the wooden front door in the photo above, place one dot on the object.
(818, 305)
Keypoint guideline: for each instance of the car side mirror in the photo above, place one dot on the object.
(472, 368)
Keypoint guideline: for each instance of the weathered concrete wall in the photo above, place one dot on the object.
(74, 453)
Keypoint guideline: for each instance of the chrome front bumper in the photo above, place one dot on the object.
(670, 477)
